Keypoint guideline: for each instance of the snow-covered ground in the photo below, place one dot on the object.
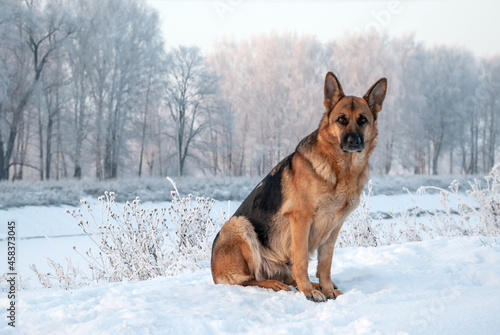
(441, 286)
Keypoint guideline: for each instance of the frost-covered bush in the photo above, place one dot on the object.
(135, 243)
(194, 228)
(477, 213)
(359, 230)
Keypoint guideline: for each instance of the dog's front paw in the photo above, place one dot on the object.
(314, 295)
(331, 294)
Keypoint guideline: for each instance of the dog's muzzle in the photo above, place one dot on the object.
(352, 142)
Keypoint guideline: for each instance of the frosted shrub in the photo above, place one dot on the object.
(358, 230)
(411, 230)
(478, 211)
(65, 279)
(194, 228)
(134, 243)
(488, 200)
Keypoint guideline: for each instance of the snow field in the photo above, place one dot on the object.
(442, 286)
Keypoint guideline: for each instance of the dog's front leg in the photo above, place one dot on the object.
(300, 256)
(325, 256)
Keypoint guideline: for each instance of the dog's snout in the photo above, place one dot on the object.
(353, 142)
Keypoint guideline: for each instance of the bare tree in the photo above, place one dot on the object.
(271, 83)
(488, 95)
(187, 88)
(41, 30)
(126, 37)
(156, 67)
(447, 87)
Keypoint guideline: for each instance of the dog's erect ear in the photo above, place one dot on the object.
(376, 95)
(333, 91)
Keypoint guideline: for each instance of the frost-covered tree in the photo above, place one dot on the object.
(34, 30)
(272, 83)
(488, 97)
(151, 100)
(54, 103)
(87, 88)
(446, 89)
(188, 89)
(124, 44)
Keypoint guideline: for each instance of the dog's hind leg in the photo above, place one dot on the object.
(229, 265)
(269, 284)
(235, 257)
(240, 272)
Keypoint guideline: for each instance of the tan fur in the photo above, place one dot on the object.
(238, 250)
(320, 189)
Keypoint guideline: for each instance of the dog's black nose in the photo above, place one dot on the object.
(353, 142)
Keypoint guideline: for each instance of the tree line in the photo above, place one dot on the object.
(90, 89)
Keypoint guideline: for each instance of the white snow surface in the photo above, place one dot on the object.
(442, 286)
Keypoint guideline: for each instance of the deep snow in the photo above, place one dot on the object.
(442, 286)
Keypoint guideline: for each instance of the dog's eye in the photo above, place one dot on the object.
(362, 120)
(342, 120)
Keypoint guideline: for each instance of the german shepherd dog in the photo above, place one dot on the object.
(302, 203)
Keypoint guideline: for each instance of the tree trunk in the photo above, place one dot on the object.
(144, 123)
(107, 158)
(40, 140)
(485, 144)
(11, 140)
(160, 160)
(48, 151)
(80, 128)
(388, 158)
(2, 157)
(492, 140)
(435, 158)
(474, 147)
(98, 156)
(179, 147)
(451, 160)
(78, 154)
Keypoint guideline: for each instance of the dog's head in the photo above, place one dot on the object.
(351, 121)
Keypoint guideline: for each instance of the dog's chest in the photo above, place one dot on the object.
(331, 211)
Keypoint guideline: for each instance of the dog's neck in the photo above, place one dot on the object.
(332, 164)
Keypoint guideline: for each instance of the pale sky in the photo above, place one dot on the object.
(473, 24)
